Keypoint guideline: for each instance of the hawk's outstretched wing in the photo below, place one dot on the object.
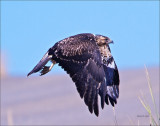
(112, 81)
(80, 57)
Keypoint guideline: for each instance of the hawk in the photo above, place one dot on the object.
(88, 60)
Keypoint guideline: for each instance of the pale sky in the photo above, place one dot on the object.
(29, 29)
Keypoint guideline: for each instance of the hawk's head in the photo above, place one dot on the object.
(102, 40)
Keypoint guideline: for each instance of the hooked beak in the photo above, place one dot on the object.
(110, 41)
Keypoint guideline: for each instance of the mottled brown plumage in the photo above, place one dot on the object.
(88, 60)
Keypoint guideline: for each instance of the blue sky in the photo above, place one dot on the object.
(29, 29)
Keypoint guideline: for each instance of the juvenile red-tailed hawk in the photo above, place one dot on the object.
(88, 60)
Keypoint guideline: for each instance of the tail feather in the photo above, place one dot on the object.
(41, 63)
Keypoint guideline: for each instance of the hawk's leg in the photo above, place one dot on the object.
(46, 69)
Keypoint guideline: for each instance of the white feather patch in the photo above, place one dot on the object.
(111, 65)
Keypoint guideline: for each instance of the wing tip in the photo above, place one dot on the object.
(96, 111)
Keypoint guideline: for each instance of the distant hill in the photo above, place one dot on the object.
(54, 100)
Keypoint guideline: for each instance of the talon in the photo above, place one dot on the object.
(46, 69)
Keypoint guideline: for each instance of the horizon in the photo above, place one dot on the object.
(29, 29)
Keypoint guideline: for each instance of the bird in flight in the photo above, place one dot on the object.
(88, 60)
